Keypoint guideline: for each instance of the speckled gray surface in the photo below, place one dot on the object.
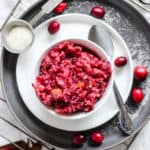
(133, 30)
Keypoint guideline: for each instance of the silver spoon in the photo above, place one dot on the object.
(101, 37)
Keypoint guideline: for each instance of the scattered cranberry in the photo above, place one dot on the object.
(54, 27)
(6, 148)
(97, 137)
(140, 72)
(120, 61)
(98, 12)
(60, 8)
(79, 139)
(137, 95)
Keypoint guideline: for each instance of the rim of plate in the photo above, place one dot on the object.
(108, 27)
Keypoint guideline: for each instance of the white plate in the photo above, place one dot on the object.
(72, 26)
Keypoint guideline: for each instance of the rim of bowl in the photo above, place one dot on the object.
(80, 115)
(8, 26)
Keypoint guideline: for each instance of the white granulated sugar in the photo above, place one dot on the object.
(19, 38)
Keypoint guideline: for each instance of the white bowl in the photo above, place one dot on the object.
(99, 52)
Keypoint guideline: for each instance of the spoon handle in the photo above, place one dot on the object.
(47, 8)
(35, 19)
(119, 97)
(125, 121)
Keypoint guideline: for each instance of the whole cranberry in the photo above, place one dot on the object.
(120, 61)
(79, 139)
(60, 8)
(53, 27)
(140, 72)
(137, 95)
(97, 137)
(6, 148)
(98, 12)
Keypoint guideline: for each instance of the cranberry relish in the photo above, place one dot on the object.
(72, 78)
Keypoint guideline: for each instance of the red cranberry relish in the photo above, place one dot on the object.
(72, 79)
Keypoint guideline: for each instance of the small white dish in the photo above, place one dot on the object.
(73, 26)
(11, 26)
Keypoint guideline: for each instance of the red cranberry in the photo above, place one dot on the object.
(140, 72)
(79, 139)
(120, 61)
(54, 27)
(6, 148)
(98, 12)
(137, 95)
(60, 8)
(97, 137)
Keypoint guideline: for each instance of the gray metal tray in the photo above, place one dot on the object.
(135, 31)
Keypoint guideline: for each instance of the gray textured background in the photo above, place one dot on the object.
(131, 32)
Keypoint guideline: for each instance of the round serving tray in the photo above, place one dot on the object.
(135, 31)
